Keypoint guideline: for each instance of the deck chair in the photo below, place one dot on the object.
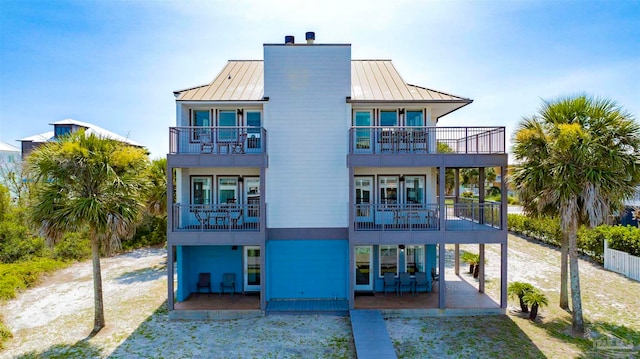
(434, 277)
(204, 281)
(389, 282)
(404, 283)
(228, 281)
(421, 282)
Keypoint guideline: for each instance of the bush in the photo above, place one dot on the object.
(17, 244)
(152, 231)
(22, 275)
(624, 238)
(73, 246)
(5, 334)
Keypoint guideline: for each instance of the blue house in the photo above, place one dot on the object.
(309, 175)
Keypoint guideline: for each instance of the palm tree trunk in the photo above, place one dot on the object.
(523, 306)
(564, 256)
(98, 322)
(534, 312)
(576, 300)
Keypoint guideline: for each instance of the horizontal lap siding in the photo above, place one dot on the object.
(307, 120)
(207, 259)
(307, 269)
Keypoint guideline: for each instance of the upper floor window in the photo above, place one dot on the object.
(414, 118)
(388, 118)
(201, 118)
(201, 187)
(61, 130)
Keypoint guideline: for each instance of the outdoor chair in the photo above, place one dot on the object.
(206, 145)
(204, 281)
(228, 281)
(421, 282)
(389, 282)
(404, 283)
(434, 277)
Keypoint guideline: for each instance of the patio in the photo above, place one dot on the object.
(215, 301)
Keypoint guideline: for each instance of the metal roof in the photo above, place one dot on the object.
(5, 147)
(89, 129)
(371, 81)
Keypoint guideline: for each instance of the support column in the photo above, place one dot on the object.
(457, 259)
(263, 277)
(481, 269)
(441, 197)
(352, 221)
(481, 179)
(504, 194)
(170, 271)
(456, 181)
(442, 287)
(503, 275)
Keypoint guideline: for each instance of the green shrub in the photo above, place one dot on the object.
(17, 244)
(73, 246)
(22, 275)
(624, 238)
(151, 232)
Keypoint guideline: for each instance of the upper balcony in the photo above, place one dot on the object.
(407, 146)
(217, 146)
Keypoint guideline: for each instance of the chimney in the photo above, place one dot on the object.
(289, 40)
(310, 36)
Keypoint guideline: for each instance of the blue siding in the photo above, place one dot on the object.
(307, 269)
(216, 260)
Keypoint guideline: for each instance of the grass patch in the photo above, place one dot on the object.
(5, 334)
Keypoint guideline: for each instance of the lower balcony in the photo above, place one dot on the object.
(216, 217)
(426, 217)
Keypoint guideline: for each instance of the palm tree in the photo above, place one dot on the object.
(87, 182)
(535, 299)
(156, 195)
(518, 290)
(579, 159)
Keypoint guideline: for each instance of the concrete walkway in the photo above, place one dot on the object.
(370, 335)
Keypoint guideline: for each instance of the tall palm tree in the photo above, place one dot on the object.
(579, 159)
(156, 195)
(88, 182)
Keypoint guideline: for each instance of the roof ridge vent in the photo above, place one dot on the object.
(310, 36)
(289, 40)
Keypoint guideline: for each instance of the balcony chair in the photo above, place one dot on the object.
(206, 144)
(421, 282)
(204, 281)
(228, 281)
(404, 283)
(389, 282)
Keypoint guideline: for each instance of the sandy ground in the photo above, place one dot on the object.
(54, 318)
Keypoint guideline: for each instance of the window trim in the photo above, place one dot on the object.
(191, 190)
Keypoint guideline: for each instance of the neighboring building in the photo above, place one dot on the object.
(9, 153)
(632, 208)
(66, 126)
(309, 175)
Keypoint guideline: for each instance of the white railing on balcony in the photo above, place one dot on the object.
(216, 217)
(217, 140)
(395, 217)
(428, 139)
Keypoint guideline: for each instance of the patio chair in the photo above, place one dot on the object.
(389, 282)
(434, 277)
(404, 283)
(421, 282)
(228, 281)
(204, 281)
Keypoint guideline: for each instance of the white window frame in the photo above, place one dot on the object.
(380, 248)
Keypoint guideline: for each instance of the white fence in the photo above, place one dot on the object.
(621, 262)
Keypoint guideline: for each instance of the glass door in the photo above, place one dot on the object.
(364, 189)
(252, 198)
(362, 135)
(364, 270)
(254, 131)
(251, 268)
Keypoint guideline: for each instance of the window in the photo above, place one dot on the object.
(414, 189)
(363, 135)
(201, 190)
(254, 122)
(388, 189)
(388, 118)
(61, 130)
(363, 187)
(414, 259)
(227, 119)
(200, 118)
(388, 260)
(227, 189)
(414, 118)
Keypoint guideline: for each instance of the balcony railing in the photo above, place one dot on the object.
(471, 216)
(216, 217)
(396, 217)
(217, 140)
(426, 217)
(460, 140)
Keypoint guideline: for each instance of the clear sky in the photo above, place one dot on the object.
(117, 63)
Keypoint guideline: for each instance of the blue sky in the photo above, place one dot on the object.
(117, 63)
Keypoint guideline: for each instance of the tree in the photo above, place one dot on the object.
(449, 173)
(518, 290)
(156, 195)
(88, 182)
(579, 159)
(535, 299)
